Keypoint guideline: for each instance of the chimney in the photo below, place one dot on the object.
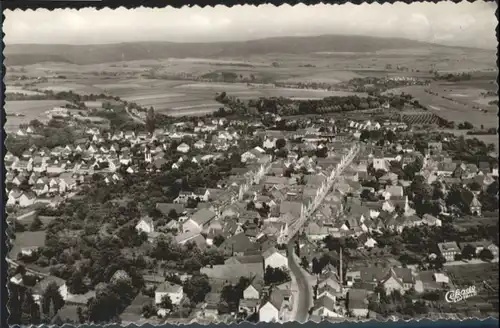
(341, 273)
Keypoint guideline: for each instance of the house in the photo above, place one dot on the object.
(484, 244)
(475, 206)
(203, 194)
(248, 306)
(357, 302)
(146, 225)
(316, 232)
(330, 287)
(400, 279)
(380, 164)
(331, 280)
(26, 199)
(239, 245)
(324, 307)
(253, 291)
(280, 302)
(394, 191)
(449, 250)
(269, 143)
(40, 288)
(183, 148)
(200, 144)
(199, 220)
(274, 259)
(174, 291)
(17, 279)
(389, 178)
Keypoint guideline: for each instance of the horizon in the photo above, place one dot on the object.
(250, 40)
(470, 25)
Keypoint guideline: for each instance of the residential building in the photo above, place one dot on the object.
(174, 291)
(449, 250)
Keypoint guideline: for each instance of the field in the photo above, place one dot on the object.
(31, 109)
(460, 105)
(26, 239)
(14, 89)
(475, 275)
(126, 79)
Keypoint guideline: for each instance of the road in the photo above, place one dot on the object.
(305, 291)
(135, 118)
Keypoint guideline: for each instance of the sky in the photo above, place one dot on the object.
(463, 24)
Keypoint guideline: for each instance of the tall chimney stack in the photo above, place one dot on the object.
(341, 272)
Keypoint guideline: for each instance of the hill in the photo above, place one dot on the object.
(26, 54)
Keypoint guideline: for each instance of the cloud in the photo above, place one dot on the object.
(465, 23)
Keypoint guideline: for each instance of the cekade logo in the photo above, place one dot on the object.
(457, 295)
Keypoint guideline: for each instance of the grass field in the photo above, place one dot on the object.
(32, 109)
(27, 239)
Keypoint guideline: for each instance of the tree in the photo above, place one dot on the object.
(148, 310)
(166, 303)
(81, 317)
(75, 283)
(218, 240)
(316, 266)
(191, 203)
(36, 224)
(197, 287)
(172, 214)
(52, 298)
(30, 312)
(280, 143)
(390, 136)
(468, 252)
(486, 255)
(275, 276)
(304, 263)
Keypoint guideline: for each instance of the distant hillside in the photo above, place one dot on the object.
(26, 54)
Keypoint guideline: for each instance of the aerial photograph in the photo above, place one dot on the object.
(252, 163)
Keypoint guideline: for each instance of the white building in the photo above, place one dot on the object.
(274, 259)
(146, 225)
(174, 291)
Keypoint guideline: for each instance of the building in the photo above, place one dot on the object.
(449, 250)
(276, 308)
(357, 302)
(174, 291)
(274, 259)
(183, 148)
(252, 292)
(146, 225)
(198, 221)
(40, 288)
(325, 307)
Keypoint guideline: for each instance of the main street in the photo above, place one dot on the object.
(304, 299)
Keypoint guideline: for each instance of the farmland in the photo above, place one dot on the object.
(454, 104)
(31, 109)
(174, 85)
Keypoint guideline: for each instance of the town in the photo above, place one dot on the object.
(224, 220)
